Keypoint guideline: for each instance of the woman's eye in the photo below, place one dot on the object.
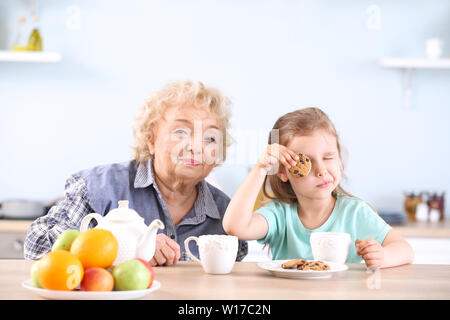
(328, 158)
(180, 132)
(210, 139)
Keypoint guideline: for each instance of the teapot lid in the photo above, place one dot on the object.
(124, 213)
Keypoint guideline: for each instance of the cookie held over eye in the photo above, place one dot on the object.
(302, 167)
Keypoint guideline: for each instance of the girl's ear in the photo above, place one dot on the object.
(282, 174)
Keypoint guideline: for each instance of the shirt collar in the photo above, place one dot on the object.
(144, 175)
(204, 204)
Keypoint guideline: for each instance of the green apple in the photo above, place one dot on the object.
(131, 275)
(34, 278)
(65, 240)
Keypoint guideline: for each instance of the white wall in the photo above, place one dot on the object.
(270, 57)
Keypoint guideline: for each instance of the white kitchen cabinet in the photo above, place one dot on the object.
(12, 238)
(430, 250)
(11, 245)
(257, 252)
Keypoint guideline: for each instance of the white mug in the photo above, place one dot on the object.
(330, 246)
(217, 252)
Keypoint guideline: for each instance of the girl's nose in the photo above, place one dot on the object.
(320, 171)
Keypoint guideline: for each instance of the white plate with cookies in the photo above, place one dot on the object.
(275, 267)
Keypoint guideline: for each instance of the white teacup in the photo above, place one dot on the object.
(330, 246)
(217, 252)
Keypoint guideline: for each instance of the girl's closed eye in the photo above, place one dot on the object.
(329, 156)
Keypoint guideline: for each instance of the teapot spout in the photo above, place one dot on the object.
(147, 245)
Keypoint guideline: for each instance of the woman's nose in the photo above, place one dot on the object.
(194, 145)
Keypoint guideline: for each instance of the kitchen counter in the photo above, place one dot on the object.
(414, 229)
(188, 281)
(7, 225)
(424, 229)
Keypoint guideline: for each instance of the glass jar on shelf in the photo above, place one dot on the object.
(436, 201)
(35, 39)
(21, 40)
(412, 199)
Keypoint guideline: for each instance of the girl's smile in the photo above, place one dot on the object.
(325, 185)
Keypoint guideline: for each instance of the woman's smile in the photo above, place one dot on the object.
(191, 162)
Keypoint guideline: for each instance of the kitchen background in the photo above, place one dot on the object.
(269, 57)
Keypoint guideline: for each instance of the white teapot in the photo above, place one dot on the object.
(136, 239)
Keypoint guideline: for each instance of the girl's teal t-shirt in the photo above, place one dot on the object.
(289, 239)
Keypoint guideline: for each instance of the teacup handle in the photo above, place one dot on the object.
(186, 247)
(85, 222)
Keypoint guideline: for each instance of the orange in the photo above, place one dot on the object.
(60, 270)
(95, 248)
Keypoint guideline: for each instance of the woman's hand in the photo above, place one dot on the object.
(371, 251)
(275, 154)
(167, 251)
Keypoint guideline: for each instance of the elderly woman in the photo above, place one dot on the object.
(179, 137)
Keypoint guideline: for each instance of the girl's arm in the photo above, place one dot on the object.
(393, 252)
(397, 251)
(239, 219)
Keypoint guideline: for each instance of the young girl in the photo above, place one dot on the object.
(312, 203)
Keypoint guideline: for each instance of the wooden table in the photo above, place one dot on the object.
(187, 281)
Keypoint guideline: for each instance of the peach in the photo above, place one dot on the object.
(97, 279)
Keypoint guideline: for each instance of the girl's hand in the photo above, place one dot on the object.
(371, 251)
(275, 154)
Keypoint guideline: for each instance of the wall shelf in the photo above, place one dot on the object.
(409, 65)
(29, 56)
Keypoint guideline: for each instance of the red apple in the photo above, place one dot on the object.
(150, 269)
(97, 279)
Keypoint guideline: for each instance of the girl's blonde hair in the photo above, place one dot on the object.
(178, 94)
(301, 122)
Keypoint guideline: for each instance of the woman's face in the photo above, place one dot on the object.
(325, 174)
(187, 142)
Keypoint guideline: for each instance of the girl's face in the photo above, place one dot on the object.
(325, 174)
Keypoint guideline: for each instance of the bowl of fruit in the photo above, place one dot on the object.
(80, 267)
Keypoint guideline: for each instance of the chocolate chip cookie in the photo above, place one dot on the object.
(314, 265)
(293, 263)
(302, 167)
